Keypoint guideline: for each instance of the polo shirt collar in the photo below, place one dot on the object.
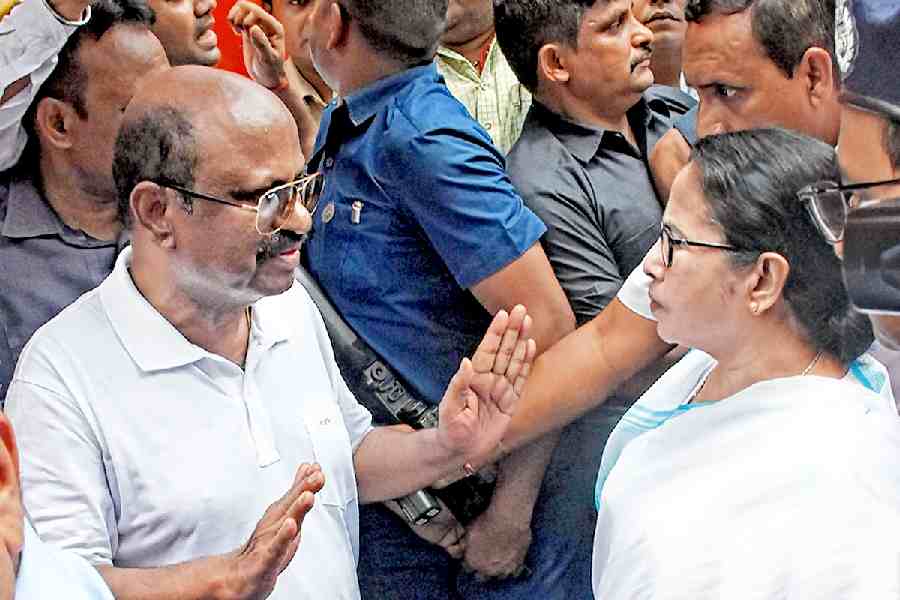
(152, 341)
(367, 102)
(27, 214)
(584, 141)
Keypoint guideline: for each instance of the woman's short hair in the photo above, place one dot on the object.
(750, 180)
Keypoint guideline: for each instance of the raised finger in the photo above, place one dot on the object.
(517, 318)
(525, 371)
(486, 353)
(519, 354)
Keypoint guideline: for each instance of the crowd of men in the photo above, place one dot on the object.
(473, 183)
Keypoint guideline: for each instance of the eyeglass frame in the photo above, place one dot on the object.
(666, 231)
(241, 205)
(809, 194)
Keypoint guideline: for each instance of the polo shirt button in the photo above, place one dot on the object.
(488, 126)
(329, 162)
(328, 213)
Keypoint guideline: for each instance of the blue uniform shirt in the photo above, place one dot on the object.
(435, 214)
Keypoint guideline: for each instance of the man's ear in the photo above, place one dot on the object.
(552, 59)
(765, 285)
(151, 207)
(816, 71)
(338, 26)
(55, 122)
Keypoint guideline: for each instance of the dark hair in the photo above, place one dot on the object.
(786, 29)
(69, 80)
(525, 26)
(406, 30)
(159, 145)
(750, 180)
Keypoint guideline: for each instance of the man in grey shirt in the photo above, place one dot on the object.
(581, 165)
(59, 229)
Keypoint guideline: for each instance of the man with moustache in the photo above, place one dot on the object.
(59, 226)
(581, 165)
(478, 74)
(160, 413)
(755, 63)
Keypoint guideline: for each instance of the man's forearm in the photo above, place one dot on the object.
(580, 371)
(201, 579)
(520, 477)
(391, 463)
(306, 117)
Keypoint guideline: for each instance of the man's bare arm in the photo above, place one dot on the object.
(670, 154)
(248, 573)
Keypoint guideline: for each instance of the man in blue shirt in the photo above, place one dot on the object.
(418, 237)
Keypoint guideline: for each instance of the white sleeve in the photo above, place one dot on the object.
(635, 292)
(31, 37)
(65, 483)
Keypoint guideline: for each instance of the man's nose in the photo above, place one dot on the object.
(299, 221)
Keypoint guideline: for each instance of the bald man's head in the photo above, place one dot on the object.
(186, 117)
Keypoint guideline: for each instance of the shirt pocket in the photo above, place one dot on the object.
(331, 448)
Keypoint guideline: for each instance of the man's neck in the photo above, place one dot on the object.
(96, 216)
(223, 330)
(315, 80)
(473, 49)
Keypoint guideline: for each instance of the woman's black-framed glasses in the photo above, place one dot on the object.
(829, 202)
(275, 206)
(667, 243)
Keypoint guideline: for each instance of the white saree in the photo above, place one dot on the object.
(789, 489)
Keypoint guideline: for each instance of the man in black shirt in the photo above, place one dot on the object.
(581, 165)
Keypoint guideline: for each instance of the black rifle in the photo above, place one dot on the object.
(378, 388)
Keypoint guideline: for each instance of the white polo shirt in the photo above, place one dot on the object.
(141, 449)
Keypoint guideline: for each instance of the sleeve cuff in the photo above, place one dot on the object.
(85, 15)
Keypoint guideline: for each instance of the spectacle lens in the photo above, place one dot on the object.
(278, 204)
(829, 211)
(665, 247)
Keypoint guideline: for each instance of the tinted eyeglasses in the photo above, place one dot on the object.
(275, 206)
(828, 203)
(668, 242)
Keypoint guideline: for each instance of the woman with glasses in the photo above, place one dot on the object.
(764, 464)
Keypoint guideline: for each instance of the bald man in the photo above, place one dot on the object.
(161, 413)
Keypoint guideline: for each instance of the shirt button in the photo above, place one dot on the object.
(329, 162)
(488, 126)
